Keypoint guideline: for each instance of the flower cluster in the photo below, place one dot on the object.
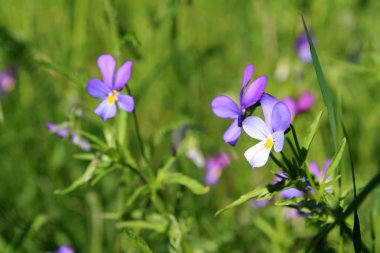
(270, 133)
(63, 130)
(7, 81)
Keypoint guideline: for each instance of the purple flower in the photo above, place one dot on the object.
(7, 81)
(214, 167)
(303, 104)
(225, 107)
(256, 204)
(270, 133)
(287, 193)
(63, 131)
(320, 174)
(65, 249)
(109, 90)
(303, 48)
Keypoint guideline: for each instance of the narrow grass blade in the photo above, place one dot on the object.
(323, 85)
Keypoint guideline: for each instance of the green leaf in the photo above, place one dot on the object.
(288, 202)
(179, 178)
(102, 145)
(323, 85)
(158, 227)
(312, 131)
(140, 244)
(84, 179)
(336, 160)
(141, 190)
(175, 235)
(259, 193)
(357, 234)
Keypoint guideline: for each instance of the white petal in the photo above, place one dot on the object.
(257, 156)
(256, 128)
(278, 138)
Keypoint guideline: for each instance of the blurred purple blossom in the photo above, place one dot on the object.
(214, 166)
(109, 89)
(64, 249)
(225, 107)
(63, 131)
(287, 193)
(317, 172)
(302, 48)
(303, 104)
(7, 81)
(271, 133)
(259, 203)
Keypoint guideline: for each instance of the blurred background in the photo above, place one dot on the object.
(185, 53)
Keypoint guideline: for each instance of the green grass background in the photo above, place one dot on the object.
(185, 53)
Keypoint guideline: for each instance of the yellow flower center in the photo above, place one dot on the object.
(269, 143)
(112, 97)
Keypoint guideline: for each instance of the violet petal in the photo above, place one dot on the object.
(97, 89)
(267, 103)
(305, 102)
(256, 128)
(254, 92)
(257, 155)
(126, 102)
(122, 75)
(281, 118)
(224, 107)
(232, 134)
(106, 110)
(107, 65)
(278, 139)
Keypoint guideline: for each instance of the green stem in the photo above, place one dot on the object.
(277, 162)
(350, 234)
(141, 144)
(296, 140)
(137, 172)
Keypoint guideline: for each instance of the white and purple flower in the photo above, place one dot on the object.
(270, 133)
(214, 167)
(225, 107)
(109, 89)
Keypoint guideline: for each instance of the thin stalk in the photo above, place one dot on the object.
(296, 140)
(277, 162)
(137, 172)
(141, 144)
(293, 149)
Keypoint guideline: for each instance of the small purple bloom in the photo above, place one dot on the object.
(214, 167)
(320, 174)
(109, 89)
(225, 107)
(7, 81)
(303, 104)
(303, 48)
(61, 130)
(270, 133)
(256, 204)
(287, 193)
(305, 101)
(196, 156)
(65, 249)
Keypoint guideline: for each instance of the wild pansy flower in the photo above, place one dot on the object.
(303, 48)
(64, 249)
(7, 81)
(287, 193)
(303, 104)
(63, 131)
(214, 167)
(109, 89)
(225, 107)
(319, 174)
(271, 133)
